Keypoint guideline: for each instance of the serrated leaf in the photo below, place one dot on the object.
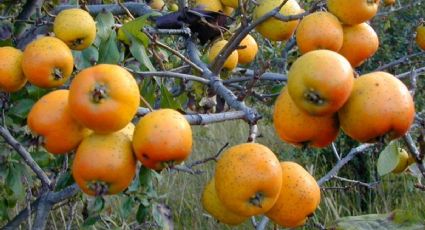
(86, 58)
(167, 99)
(388, 159)
(108, 50)
(104, 23)
(22, 108)
(139, 52)
(398, 219)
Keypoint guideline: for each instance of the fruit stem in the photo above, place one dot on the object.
(99, 93)
(313, 97)
(100, 188)
(257, 199)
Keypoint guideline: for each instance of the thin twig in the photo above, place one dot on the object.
(398, 61)
(414, 152)
(335, 151)
(169, 74)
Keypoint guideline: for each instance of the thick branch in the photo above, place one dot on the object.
(26, 156)
(136, 9)
(334, 171)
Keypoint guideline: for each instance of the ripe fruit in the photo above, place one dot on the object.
(274, 29)
(360, 43)
(162, 138)
(47, 62)
(12, 78)
(174, 7)
(420, 36)
(353, 12)
(75, 27)
(228, 10)
(319, 30)
(298, 127)
(403, 162)
(104, 97)
(213, 206)
(320, 82)
(389, 2)
(232, 60)
(128, 130)
(230, 3)
(247, 54)
(50, 118)
(379, 104)
(248, 179)
(210, 5)
(157, 4)
(299, 197)
(104, 164)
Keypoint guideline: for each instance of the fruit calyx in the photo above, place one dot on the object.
(57, 74)
(312, 96)
(77, 42)
(257, 199)
(100, 188)
(99, 92)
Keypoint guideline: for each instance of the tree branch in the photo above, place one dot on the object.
(169, 74)
(414, 152)
(136, 9)
(398, 61)
(26, 156)
(29, 9)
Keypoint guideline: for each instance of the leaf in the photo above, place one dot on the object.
(22, 108)
(98, 205)
(148, 89)
(134, 28)
(126, 207)
(3, 209)
(145, 177)
(142, 213)
(398, 219)
(64, 180)
(104, 23)
(108, 50)
(14, 181)
(139, 52)
(86, 58)
(35, 92)
(91, 220)
(42, 158)
(167, 99)
(388, 158)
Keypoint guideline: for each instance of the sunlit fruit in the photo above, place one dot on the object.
(403, 162)
(249, 51)
(209, 5)
(352, 12)
(231, 61)
(420, 36)
(157, 4)
(12, 77)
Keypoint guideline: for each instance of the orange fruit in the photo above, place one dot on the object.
(104, 97)
(209, 5)
(320, 82)
(299, 197)
(157, 4)
(104, 164)
(389, 2)
(50, 118)
(12, 78)
(352, 12)
(248, 53)
(297, 127)
(360, 43)
(248, 179)
(420, 36)
(319, 30)
(228, 10)
(231, 62)
(230, 3)
(212, 204)
(162, 138)
(274, 29)
(380, 104)
(47, 62)
(75, 27)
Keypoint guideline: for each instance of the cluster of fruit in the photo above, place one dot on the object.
(249, 180)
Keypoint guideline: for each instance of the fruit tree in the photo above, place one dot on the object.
(104, 104)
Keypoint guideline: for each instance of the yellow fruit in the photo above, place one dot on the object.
(248, 179)
(212, 204)
(299, 196)
(174, 7)
(272, 28)
(248, 53)
(403, 161)
(420, 36)
(232, 60)
(128, 130)
(157, 4)
(231, 3)
(75, 27)
(12, 77)
(352, 12)
(210, 5)
(228, 10)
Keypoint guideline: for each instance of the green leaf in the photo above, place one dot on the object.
(167, 99)
(126, 207)
(108, 50)
(142, 213)
(145, 177)
(3, 209)
(64, 180)
(42, 158)
(22, 108)
(139, 52)
(148, 89)
(388, 158)
(35, 92)
(104, 23)
(161, 214)
(98, 205)
(86, 58)
(398, 219)
(91, 220)
(14, 181)
(134, 29)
